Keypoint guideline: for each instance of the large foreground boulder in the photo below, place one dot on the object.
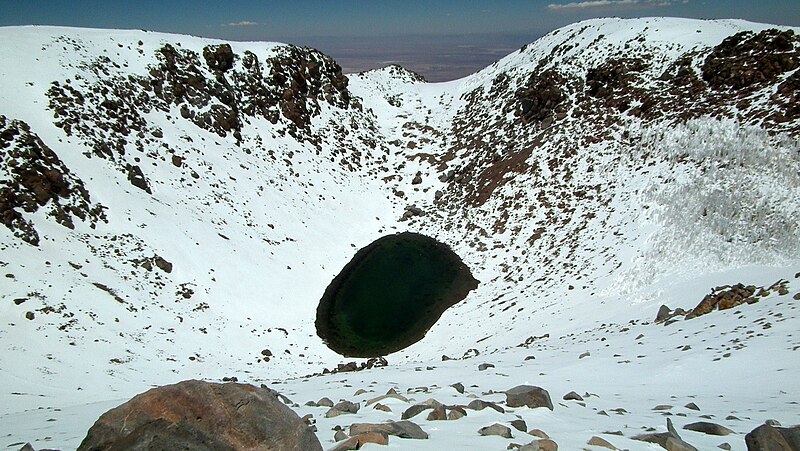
(771, 438)
(200, 415)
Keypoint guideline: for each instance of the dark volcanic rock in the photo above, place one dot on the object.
(748, 59)
(219, 57)
(201, 415)
(540, 97)
(37, 178)
(136, 177)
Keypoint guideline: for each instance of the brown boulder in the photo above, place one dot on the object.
(528, 395)
(200, 415)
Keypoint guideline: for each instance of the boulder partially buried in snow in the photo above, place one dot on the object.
(669, 440)
(528, 395)
(402, 429)
(200, 415)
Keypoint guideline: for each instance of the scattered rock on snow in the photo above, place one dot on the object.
(339, 436)
(601, 442)
(414, 410)
(382, 407)
(528, 395)
(342, 408)
(456, 413)
(402, 429)
(519, 425)
(709, 428)
(479, 404)
(438, 413)
(572, 396)
(669, 440)
(540, 445)
(496, 429)
(538, 433)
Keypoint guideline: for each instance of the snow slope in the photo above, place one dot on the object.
(632, 183)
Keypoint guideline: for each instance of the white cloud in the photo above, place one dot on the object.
(244, 23)
(608, 4)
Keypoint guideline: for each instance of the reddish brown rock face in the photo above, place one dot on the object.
(201, 415)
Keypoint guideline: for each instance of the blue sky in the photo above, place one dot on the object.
(283, 20)
(441, 39)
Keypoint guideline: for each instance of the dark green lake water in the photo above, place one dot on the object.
(389, 295)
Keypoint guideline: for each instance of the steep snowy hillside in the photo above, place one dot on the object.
(174, 207)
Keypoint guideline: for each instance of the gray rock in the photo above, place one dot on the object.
(709, 428)
(339, 436)
(382, 407)
(347, 407)
(456, 413)
(479, 404)
(438, 414)
(342, 407)
(325, 402)
(414, 410)
(200, 415)
(496, 429)
(772, 438)
(663, 314)
(459, 387)
(348, 444)
(572, 396)
(519, 425)
(601, 442)
(528, 395)
(485, 366)
(669, 440)
(540, 445)
(394, 395)
(402, 429)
